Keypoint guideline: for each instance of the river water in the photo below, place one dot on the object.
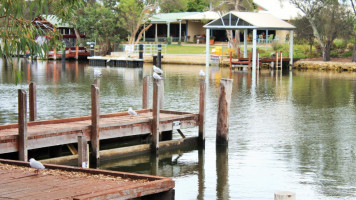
(291, 131)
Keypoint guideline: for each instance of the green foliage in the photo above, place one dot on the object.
(168, 6)
(197, 5)
(18, 34)
(100, 24)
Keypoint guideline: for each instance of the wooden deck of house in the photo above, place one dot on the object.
(19, 181)
(66, 131)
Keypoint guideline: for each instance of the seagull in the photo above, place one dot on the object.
(201, 73)
(132, 112)
(108, 60)
(157, 70)
(156, 76)
(97, 73)
(36, 164)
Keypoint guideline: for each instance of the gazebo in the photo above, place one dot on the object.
(245, 21)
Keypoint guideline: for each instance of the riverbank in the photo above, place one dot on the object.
(339, 64)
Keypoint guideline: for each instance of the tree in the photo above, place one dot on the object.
(99, 22)
(304, 31)
(197, 5)
(133, 14)
(329, 19)
(18, 33)
(354, 51)
(168, 6)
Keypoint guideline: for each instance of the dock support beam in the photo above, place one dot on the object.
(202, 112)
(95, 117)
(155, 114)
(32, 102)
(145, 92)
(222, 127)
(83, 152)
(207, 48)
(22, 123)
(291, 36)
(140, 51)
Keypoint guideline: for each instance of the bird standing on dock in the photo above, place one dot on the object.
(157, 70)
(156, 76)
(36, 164)
(132, 112)
(201, 73)
(97, 73)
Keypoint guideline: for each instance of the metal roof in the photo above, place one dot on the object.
(54, 20)
(169, 17)
(249, 20)
(208, 15)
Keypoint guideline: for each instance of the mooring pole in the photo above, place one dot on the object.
(140, 51)
(159, 54)
(145, 92)
(32, 101)
(202, 112)
(63, 55)
(91, 49)
(22, 125)
(155, 114)
(83, 152)
(54, 54)
(95, 117)
(76, 52)
(96, 82)
(222, 127)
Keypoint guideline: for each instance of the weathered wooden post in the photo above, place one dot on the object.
(83, 152)
(54, 54)
(277, 60)
(96, 82)
(95, 117)
(22, 125)
(281, 61)
(63, 55)
(32, 101)
(284, 195)
(155, 114)
(91, 49)
(145, 92)
(76, 52)
(202, 111)
(140, 51)
(222, 129)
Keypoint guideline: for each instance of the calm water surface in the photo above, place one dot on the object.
(293, 131)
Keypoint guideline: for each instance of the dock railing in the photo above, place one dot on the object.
(149, 49)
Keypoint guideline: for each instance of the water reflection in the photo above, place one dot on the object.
(288, 130)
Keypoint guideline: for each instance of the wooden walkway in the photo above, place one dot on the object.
(66, 131)
(19, 181)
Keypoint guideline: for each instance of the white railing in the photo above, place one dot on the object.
(148, 49)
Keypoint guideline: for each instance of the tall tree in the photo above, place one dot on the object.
(134, 14)
(18, 33)
(329, 19)
(353, 2)
(304, 31)
(99, 22)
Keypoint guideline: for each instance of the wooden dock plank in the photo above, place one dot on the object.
(62, 182)
(65, 131)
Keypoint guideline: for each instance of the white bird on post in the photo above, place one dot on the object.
(156, 76)
(201, 73)
(157, 70)
(36, 164)
(97, 73)
(132, 112)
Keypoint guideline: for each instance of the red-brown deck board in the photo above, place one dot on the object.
(19, 181)
(64, 131)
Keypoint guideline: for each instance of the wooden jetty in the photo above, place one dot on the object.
(70, 53)
(115, 61)
(19, 181)
(156, 123)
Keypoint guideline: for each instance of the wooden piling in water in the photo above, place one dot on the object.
(96, 82)
(95, 117)
(76, 52)
(284, 195)
(83, 152)
(145, 89)
(22, 125)
(222, 127)
(32, 101)
(202, 112)
(155, 115)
